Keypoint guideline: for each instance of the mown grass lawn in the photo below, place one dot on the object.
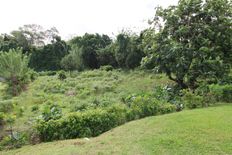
(201, 131)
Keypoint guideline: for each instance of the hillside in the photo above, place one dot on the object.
(201, 131)
(80, 91)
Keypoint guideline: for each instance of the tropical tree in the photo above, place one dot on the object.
(49, 56)
(121, 49)
(128, 51)
(90, 44)
(14, 70)
(194, 41)
(73, 61)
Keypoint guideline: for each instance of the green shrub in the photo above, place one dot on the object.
(107, 68)
(62, 75)
(16, 140)
(147, 105)
(192, 100)
(51, 112)
(74, 60)
(166, 108)
(14, 69)
(142, 106)
(80, 107)
(86, 124)
(34, 108)
(221, 93)
(168, 93)
(133, 59)
(6, 106)
(33, 75)
(93, 122)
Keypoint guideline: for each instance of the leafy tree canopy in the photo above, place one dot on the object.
(194, 41)
(90, 43)
(49, 56)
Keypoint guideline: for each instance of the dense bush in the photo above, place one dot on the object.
(16, 140)
(133, 59)
(51, 112)
(74, 60)
(35, 108)
(105, 56)
(14, 69)
(214, 93)
(33, 75)
(221, 93)
(6, 106)
(62, 75)
(192, 100)
(147, 105)
(93, 122)
(80, 107)
(85, 124)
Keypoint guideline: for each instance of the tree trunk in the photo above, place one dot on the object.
(180, 82)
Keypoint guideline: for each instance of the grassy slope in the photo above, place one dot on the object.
(201, 131)
(88, 86)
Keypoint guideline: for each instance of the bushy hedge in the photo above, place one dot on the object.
(221, 93)
(192, 100)
(96, 121)
(207, 95)
(147, 105)
(82, 124)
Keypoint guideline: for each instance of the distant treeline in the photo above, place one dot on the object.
(48, 51)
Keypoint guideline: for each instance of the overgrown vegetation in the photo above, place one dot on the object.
(177, 133)
(183, 61)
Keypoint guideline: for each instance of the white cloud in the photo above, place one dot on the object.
(79, 16)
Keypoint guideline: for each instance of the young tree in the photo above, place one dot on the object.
(194, 41)
(14, 69)
(128, 52)
(73, 61)
(122, 49)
